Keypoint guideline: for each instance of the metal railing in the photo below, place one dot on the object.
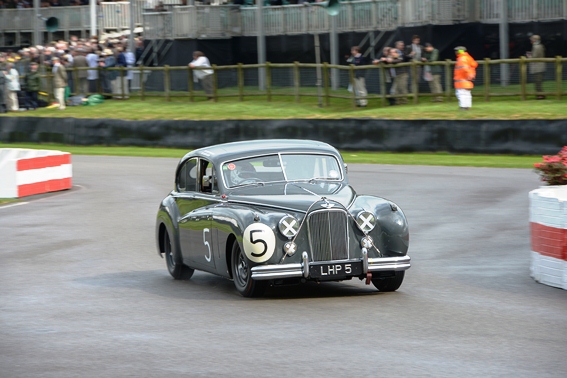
(303, 81)
(224, 21)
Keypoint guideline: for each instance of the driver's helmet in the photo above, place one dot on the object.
(242, 171)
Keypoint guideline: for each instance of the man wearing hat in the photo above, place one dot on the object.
(465, 73)
(537, 69)
(59, 81)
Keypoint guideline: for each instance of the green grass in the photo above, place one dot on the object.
(285, 107)
(351, 157)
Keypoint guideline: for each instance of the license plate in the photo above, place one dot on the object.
(333, 271)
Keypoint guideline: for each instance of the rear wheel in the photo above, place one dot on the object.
(389, 283)
(242, 276)
(176, 268)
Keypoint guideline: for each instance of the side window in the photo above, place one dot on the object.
(208, 178)
(187, 176)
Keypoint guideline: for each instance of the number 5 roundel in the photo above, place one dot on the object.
(259, 242)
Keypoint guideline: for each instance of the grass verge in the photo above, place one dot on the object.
(351, 157)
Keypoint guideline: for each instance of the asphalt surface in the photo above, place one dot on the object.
(84, 294)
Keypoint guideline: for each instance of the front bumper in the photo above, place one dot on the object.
(298, 270)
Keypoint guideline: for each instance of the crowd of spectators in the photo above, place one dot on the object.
(17, 67)
(20, 4)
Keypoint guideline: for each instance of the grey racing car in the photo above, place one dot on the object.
(273, 212)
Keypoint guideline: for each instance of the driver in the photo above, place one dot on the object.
(241, 171)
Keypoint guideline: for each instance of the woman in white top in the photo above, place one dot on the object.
(12, 87)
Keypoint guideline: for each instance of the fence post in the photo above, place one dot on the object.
(215, 82)
(326, 87)
(296, 80)
(558, 75)
(414, 82)
(448, 79)
(122, 89)
(523, 90)
(142, 82)
(268, 81)
(98, 82)
(486, 79)
(190, 83)
(166, 82)
(351, 78)
(383, 84)
(76, 79)
(240, 75)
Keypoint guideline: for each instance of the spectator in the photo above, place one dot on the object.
(465, 73)
(12, 87)
(402, 74)
(107, 76)
(432, 74)
(204, 76)
(32, 81)
(121, 81)
(537, 69)
(388, 57)
(92, 75)
(130, 62)
(414, 52)
(359, 86)
(82, 74)
(59, 81)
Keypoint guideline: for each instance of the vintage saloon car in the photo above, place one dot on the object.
(277, 212)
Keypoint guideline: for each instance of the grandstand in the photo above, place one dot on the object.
(227, 33)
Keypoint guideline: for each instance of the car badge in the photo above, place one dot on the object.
(327, 205)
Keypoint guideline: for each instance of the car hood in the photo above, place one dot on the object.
(298, 196)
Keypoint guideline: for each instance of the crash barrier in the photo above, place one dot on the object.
(25, 172)
(326, 82)
(548, 223)
(458, 136)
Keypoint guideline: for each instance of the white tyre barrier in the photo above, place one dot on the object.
(25, 172)
(548, 225)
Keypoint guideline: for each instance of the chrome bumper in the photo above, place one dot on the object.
(270, 272)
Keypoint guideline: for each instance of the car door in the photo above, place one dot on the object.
(196, 233)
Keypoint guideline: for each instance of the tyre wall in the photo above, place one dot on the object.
(468, 136)
(548, 224)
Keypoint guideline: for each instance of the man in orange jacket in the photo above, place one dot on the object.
(465, 73)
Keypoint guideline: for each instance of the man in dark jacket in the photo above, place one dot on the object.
(32, 81)
(432, 74)
(2, 84)
(359, 86)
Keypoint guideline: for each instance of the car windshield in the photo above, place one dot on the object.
(281, 167)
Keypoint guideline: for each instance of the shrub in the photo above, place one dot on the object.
(553, 169)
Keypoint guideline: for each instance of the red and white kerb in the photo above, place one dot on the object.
(27, 172)
(548, 226)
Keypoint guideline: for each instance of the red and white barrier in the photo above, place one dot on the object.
(25, 172)
(548, 223)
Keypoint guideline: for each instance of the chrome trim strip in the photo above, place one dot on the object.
(305, 258)
(268, 272)
(389, 263)
(364, 261)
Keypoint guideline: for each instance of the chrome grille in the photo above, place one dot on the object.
(328, 235)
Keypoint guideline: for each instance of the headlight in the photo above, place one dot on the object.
(288, 226)
(366, 221)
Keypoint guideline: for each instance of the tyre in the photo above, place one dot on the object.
(176, 268)
(241, 274)
(389, 283)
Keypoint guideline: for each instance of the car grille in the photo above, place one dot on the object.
(328, 235)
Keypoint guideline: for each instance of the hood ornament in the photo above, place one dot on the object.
(327, 204)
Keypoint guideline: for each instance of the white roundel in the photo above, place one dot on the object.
(259, 242)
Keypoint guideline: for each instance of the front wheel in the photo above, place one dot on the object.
(242, 276)
(176, 268)
(389, 283)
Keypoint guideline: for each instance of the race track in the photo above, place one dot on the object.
(84, 293)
